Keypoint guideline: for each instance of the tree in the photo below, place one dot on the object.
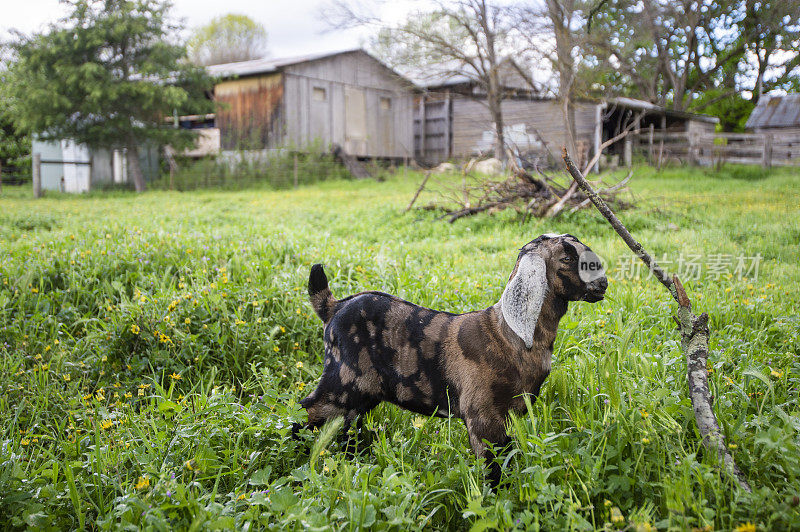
(466, 38)
(553, 33)
(695, 54)
(106, 77)
(227, 39)
(15, 147)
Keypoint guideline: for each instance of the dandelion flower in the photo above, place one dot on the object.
(175, 376)
(746, 527)
(142, 483)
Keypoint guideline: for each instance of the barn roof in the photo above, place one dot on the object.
(775, 111)
(642, 105)
(267, 65)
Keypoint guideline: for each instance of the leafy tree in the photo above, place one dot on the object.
(227, 39)
(107, 77)
(15, 147)
(696, 55)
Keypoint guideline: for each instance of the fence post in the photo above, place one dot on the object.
(767, 160)
(627, 153)
(650, 135)
(295, 170)
(37, 175)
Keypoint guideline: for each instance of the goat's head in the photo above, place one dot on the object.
(559, 264)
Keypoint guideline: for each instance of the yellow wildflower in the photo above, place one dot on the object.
(644, 413)
(135, 329)
(175, 376)
(299, 365)
(746, 527)
(24, 442)
(142, 483)
(616, 515)
(777, 374)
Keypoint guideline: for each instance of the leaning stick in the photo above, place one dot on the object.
(694, 334)
(419, 190)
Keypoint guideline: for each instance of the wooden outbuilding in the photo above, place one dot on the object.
(348, 98)
(776, 114)
(452, 120)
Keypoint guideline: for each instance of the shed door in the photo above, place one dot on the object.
(355, 121)
(76, 166)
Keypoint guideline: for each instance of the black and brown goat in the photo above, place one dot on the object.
(476, 366)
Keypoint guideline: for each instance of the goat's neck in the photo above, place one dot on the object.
(553, 309)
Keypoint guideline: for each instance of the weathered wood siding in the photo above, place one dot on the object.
(351, 100)
(250, 113)
(529, 119)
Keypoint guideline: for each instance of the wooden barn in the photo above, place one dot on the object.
(345, 98)
(452, 120)
(776, 114)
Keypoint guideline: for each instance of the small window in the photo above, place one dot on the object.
(386, 104)
(319, 94)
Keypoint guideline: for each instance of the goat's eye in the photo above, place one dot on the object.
(568, 259)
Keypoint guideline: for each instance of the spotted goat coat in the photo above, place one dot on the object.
(476, 366)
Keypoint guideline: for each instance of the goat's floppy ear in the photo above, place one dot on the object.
(523, 297)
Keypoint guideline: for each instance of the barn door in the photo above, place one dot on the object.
(355, 121)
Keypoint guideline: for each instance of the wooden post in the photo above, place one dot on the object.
(295, 170)
(661, 142)
(447, 130)
(650, 143)
(422, 151)
(37, 175)
(1, 177)
(767, 160)
(627, 154)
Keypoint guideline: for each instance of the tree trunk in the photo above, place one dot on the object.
(134, 168)
(496, 110)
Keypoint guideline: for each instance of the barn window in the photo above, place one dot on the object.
(319, 94)
(386, 104)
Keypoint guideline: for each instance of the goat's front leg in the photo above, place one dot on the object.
(492, 429)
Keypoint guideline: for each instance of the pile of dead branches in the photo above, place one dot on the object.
(541, 197)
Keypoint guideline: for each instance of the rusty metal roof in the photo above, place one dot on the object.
(267, 65)
(775, 111)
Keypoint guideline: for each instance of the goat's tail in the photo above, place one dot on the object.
(320, 295)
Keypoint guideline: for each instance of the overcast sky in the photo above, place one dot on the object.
(293, 27)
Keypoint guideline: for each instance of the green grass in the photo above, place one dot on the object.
(153, 350)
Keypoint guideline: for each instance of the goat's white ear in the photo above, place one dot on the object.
(523, 297)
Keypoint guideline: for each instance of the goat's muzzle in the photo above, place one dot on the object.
(595, 290)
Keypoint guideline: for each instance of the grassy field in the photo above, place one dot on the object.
(153, 350)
